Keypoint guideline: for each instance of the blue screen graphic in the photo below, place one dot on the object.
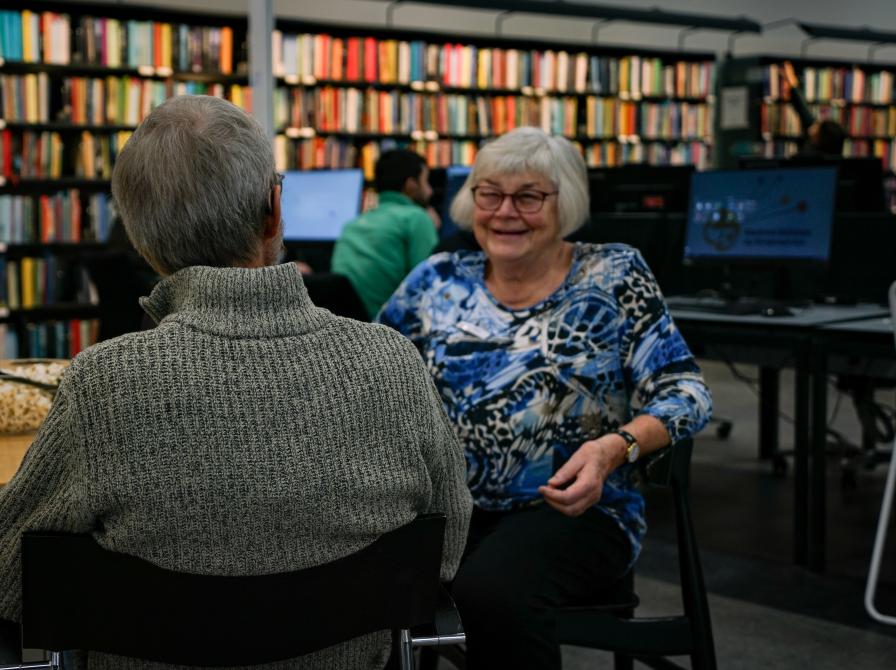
(455, 176)
(779, 214)
(316, 204)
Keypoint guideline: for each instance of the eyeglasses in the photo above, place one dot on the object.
(278, 178)
(529, 201)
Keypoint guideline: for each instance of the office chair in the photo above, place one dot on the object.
(77, 595)
(886, 506)
(610, 624)
(119, 282)
(335, 293)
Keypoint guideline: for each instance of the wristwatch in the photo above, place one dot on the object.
(632, 448)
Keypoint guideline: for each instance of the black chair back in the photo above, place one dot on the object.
(77, 595)
(335, 293)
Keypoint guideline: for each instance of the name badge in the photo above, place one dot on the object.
(473, 329)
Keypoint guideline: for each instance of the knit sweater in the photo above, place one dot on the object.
(249, 433)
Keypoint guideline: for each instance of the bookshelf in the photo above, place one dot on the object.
(75, 81)
(859, 96)
(344, 94)
(77, 78)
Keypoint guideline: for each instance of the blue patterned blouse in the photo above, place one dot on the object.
(526, 387)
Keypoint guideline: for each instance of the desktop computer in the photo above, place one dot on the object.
(316, 204)
(762, 231)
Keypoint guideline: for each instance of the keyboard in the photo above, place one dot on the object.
(735, 307)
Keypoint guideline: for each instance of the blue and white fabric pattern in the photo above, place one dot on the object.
(526, 387)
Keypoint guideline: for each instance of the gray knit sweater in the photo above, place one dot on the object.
(249, 433)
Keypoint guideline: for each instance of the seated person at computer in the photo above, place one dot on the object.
(823, 137)
(380, 247)
(540, 349)
(250, 432)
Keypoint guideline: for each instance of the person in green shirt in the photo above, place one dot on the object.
(378, 249)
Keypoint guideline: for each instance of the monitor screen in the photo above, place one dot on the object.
(783, 214)
(455, 176)
(316, 204)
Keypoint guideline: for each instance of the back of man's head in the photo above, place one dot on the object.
(193, 184)
(829, 138)
(395, 167)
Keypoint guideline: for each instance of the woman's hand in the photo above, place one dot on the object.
(579, 483)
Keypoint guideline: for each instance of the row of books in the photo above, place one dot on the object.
(333, 152)
(66, 216)
(823, 84)
(46, 37)
(782, 119)
(44, 155)
(310, 57)
(609, 154)
(608, 117)
(40, 281)
(51, 339)
(336, 152)
(38, 98)
(352, 110)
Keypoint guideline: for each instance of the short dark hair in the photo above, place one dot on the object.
(394, 167)
(830, 137)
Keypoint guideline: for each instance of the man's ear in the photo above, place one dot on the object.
(272, 220)
(410, 187)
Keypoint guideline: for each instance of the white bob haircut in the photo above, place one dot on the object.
(531, 150)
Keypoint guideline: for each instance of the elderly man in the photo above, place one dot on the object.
(250, 432)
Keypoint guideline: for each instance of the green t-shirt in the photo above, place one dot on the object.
(378, 249)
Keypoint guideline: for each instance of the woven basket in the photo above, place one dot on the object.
(27, 386)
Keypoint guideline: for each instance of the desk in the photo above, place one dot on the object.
(864, 347)
(12, 451)
(773, 343)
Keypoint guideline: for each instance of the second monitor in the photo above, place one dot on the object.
(316, 204)
(771, 216)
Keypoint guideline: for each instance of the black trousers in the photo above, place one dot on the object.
(517, 567)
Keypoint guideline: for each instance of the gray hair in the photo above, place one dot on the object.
(531, 150)
(193, 184)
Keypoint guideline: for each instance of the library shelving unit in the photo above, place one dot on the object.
(75, 80)
(345, 93)
(859, 96)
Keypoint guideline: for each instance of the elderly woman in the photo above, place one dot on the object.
(250, 432)
(559, 365)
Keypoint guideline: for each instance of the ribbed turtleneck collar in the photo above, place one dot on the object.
(239, 302)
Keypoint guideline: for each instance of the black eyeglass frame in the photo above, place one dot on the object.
(513, 199)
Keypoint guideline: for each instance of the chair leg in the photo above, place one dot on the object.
(880, 541)
(623, 662)
(405, 650)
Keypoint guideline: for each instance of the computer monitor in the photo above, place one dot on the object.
(860, 181)
(639, 188)
(316, 204)
(761, 215)
(455, 176)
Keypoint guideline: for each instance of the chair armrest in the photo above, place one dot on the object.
(446, 627)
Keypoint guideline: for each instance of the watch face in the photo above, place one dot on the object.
(634, 452)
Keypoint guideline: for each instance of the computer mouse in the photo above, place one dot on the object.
(777, 310)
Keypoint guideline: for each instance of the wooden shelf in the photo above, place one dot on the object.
(64, 310)
(41, 185)
(64, 126)
(30, 248)
(102, 71)
(435, 87)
